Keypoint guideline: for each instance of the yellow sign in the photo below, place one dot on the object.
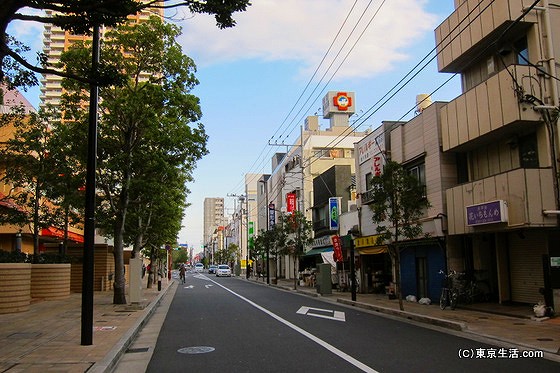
(366, 241)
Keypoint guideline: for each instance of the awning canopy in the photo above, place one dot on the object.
(318, 251)
(59, 233)
(373, 250)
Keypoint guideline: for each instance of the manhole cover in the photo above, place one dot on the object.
(195, 350)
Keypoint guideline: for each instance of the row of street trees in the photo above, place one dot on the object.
(150, 137)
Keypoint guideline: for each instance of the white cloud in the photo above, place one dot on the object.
(302, 31)
(30, 33)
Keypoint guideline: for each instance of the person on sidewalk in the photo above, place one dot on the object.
(259, 271)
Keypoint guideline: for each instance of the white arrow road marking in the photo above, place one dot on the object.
(208, 286)
(189, 287)
(325, 314)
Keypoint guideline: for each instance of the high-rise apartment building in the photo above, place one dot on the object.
(213, 217)
(56, 41)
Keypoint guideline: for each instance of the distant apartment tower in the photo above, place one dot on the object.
(56, 41)
(213, 217)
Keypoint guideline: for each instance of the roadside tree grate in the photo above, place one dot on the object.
(195, 350)
(139, 349)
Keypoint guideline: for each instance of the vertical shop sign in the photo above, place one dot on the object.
(291, 202)
(334, 210)
(271, 216)
(337, 248)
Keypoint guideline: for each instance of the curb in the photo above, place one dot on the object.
(453, 325)
(108, 363)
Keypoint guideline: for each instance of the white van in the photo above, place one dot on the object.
(199, 267)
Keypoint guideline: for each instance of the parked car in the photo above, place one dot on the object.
(212, 269)
(199, 267)
(223, 270)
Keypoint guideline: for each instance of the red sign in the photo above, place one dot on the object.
(342, 101)
(337, 246)
(377, 165)
(290, 202)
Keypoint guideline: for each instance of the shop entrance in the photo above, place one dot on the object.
(376, 272)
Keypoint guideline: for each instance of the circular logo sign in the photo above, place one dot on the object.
(342, 101)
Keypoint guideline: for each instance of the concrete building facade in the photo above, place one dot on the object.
(503, 132)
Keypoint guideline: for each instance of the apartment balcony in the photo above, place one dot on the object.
(490, 109)
(477, 26)
(525, 192)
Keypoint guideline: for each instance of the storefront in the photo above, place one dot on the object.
(374, 265)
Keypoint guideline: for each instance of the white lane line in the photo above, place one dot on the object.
(328, 346)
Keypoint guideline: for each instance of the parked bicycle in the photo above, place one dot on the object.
(457, 288)
(449, 295)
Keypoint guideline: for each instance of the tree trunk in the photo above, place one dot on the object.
(119, 296)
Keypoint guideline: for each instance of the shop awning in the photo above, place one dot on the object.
(318, 251)
(367, 245)
(59, 233)
(372, 250)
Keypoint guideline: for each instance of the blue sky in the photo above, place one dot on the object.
(251, 77)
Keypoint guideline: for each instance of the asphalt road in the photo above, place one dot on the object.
(227, 325)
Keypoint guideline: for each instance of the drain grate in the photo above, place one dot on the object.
(545, 339)
(116, 314)
(24, 335)
(195, 350)
(136, 350)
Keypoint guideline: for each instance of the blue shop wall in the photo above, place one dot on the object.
(435, 262)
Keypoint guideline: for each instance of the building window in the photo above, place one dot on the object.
(521, 51)
(419, 172)
(369, 177)
(462, 168)
(528, 151)
(329, 153)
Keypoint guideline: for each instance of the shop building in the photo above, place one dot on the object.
(503, 132)
(416, 145)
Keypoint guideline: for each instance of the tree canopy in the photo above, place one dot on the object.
(79, 17)
(149, 135)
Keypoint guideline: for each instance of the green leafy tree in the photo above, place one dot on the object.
(79, 17)
(148, 129)
(295, 231)
(39, 177)
(179, 257)
(228, 254)
(399, 201)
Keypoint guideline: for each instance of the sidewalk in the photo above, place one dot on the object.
(504, 326)
(47, 337)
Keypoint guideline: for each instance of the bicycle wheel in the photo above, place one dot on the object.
(443, 299)
(453, 300)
